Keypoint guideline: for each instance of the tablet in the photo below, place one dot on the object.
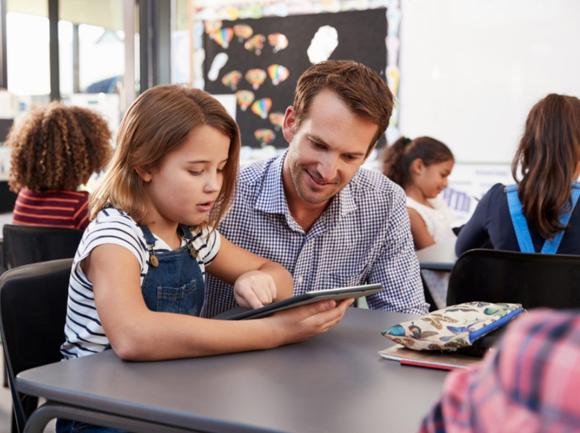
(239, 313)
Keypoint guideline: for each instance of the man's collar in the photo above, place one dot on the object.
(272, 198)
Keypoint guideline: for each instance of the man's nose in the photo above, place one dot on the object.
(327, 168)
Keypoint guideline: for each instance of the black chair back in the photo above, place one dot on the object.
(33, 301)
(533, 280)
(31, 244)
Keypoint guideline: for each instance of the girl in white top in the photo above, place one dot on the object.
(422, 166)
(137, 281)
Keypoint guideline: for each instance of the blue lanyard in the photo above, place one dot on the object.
(521, 225)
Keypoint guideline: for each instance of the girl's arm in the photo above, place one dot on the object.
(421, 236)
(139, 334)
(256, 280)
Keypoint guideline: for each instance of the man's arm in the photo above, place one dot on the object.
(397, 268)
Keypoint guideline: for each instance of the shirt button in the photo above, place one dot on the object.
(299, 279)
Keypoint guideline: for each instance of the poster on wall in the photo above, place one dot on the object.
(259, 61)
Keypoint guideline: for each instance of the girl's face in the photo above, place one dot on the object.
(185, 184)
(432, 179)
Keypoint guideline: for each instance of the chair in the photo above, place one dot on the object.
(31, 244)
(33, 301)
(533, 280)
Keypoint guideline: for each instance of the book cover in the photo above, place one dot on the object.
(438, 360)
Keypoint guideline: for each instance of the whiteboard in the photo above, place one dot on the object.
(472, 69)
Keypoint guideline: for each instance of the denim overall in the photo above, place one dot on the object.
(173, 284)
(520, 224)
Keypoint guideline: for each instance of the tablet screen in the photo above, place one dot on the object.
(239, 313)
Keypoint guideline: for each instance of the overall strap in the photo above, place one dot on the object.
(149, 237)
(551, 245)
(519, 220)
(521, 225)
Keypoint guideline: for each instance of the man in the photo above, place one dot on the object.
(314, 209)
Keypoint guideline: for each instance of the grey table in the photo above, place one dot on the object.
(335, 382)
(437, 257)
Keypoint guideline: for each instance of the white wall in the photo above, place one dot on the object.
(472, 69)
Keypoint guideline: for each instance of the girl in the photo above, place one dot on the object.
(422, 166)
(53, 152)
(137, 281)
(538, 213)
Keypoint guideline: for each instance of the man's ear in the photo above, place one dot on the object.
(144, 174)
(417, 166)
(289, 125)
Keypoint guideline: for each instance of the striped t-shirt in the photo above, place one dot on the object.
(65, 209)
(83, 329)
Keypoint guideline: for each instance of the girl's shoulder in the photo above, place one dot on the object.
(207, 241)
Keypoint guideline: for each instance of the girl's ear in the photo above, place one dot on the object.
(144, 174)
(417, 166)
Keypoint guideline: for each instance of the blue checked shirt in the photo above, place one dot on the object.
(362, 237)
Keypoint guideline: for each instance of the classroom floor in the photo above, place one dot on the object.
(6, 408)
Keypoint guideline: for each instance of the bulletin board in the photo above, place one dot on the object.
(260, 60)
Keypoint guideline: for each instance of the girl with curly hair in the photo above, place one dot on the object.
(54, 150)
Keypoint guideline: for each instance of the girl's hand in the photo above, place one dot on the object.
(301, 323)
(254, 289)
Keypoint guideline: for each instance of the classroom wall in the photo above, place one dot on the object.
(472, 69)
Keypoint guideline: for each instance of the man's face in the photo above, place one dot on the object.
(325, 151)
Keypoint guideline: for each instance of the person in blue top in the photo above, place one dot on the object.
(539, 213)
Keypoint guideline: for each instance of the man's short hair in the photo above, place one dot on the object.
(361, 88)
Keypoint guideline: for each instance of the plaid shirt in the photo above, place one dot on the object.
(363, 237)
(529, 385)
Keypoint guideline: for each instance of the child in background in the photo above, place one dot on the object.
(539, 213)
(422, 166)
(137, 281)
(55, 150)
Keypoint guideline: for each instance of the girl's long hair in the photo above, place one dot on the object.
(546, 160)
(156, 123)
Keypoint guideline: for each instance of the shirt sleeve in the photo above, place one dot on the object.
(397, 268)
(111, 227)
(207, 241)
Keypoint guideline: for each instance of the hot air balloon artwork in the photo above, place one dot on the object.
(264, 136)
(261, 107)
(222, 37)
(243, 31)
(255, 44)
(278, 41)
(245, 98)
(255, 77)
(278, 73)
(212, 26)
(276, 119)
(231, 79)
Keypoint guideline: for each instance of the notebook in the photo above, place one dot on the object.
(240, 313)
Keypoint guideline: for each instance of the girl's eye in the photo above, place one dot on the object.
(195, 173)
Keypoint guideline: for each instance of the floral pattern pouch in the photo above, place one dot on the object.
(453, 327)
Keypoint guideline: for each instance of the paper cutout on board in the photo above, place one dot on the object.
(261, 107)
(323, 44)
(278, 41)
(393, 78)
(223, 37)
(243, 31)
(245, 98)
(218, 63)
(212, 26)
(231, 79)
(255, 77)
(278, 73)
(276, 119)
(264, 136)
(255, 44)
